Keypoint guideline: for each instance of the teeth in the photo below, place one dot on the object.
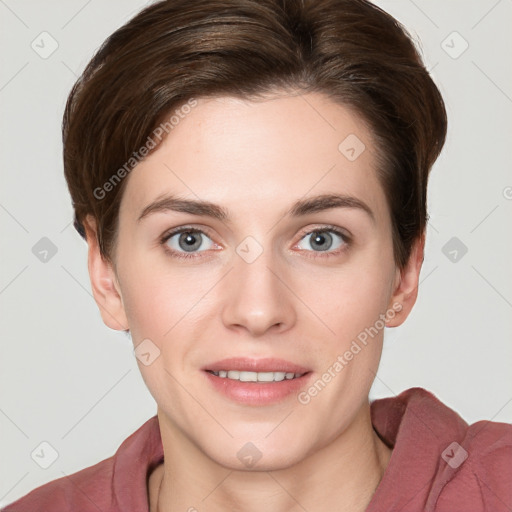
(256, 376)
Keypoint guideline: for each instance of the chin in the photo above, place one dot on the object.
(255, 460)
(257, 453)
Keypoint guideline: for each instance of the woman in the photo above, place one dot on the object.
(251, 179)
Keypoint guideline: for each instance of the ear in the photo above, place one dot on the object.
(406, 284)
(104, 283)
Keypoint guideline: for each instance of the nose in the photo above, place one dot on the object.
(258, 297)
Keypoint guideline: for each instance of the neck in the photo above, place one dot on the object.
(342, 476)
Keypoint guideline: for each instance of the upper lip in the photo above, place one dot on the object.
(244, 364)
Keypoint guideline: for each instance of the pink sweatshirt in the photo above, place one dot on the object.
(438, 464)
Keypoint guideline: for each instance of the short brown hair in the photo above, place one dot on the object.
(174, 50)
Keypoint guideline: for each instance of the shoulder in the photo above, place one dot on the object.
(114, 484)
(480, 467)
(85, 490)
(442, 462)
(475, 463)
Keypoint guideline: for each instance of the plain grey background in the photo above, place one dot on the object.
(69, 381)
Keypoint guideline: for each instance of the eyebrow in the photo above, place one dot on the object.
(300, 208)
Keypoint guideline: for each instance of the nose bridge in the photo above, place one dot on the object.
(256, 298)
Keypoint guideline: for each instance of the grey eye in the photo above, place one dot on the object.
(323, 240)
(188, 241)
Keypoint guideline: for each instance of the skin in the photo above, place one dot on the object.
(255, 159)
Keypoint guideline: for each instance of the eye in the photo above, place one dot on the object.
(326, 239)
(185, 242)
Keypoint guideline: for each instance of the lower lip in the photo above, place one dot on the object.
(257, 393)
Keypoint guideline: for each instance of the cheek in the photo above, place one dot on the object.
(160, 307)
(347, 300)
(156, 301)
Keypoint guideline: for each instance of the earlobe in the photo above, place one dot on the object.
(406, 285)
(104, 284)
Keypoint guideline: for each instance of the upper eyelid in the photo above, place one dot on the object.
(327, 227)
(184, 229)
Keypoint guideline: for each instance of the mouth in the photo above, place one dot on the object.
(256, 381)
(248, 376)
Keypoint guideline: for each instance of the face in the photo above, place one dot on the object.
(260, 276)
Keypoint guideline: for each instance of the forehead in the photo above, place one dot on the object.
(255, 154)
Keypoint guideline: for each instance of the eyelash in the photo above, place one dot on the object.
(326, 228)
